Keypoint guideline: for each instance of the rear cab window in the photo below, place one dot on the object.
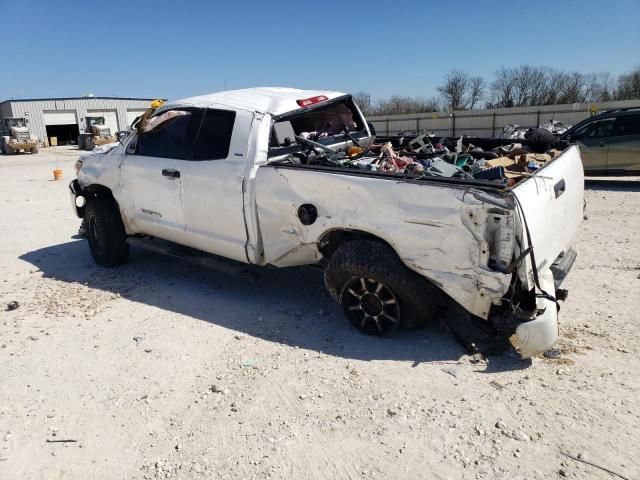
(326, 123)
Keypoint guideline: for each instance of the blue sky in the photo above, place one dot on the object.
(182, 48)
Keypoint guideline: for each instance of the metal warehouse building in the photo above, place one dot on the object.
(64, 118)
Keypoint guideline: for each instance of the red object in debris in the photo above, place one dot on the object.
(305, 102)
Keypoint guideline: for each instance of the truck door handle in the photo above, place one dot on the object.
(559, 188)
(171, 173)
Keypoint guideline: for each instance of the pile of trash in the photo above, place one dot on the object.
(425, 156)
(516, 132)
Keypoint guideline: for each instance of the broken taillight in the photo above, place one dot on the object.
(306, 102)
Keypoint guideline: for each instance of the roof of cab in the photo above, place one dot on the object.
(272, 100)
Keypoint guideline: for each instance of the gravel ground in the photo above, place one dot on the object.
(159, 369)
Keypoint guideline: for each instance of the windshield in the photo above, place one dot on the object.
(16, 122)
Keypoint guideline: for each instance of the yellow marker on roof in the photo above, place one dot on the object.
(157, 103)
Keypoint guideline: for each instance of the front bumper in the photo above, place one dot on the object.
(540, 334)
(23, 145)
(75, 191)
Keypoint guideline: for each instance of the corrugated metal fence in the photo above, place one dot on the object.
(489, 123)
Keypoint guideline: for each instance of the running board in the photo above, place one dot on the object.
(196, 257)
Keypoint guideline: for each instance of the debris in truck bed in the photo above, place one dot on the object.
(516, 132)
(497, 162)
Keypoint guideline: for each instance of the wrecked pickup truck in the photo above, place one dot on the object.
(285, 177)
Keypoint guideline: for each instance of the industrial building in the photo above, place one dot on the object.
(64, 118)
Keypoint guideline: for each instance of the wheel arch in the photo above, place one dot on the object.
(333, 239)
(96, 190)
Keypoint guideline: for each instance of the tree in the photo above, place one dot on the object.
(502, 88)
(477, 86)
(629, 86)
(363, 100)
(398, 104)
(455, 91)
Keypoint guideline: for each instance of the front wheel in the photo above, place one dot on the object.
(105, 232)
(378, 293)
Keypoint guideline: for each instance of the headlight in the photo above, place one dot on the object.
(78, 166)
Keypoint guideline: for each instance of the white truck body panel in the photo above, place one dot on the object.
(553, 221)
(425, 223)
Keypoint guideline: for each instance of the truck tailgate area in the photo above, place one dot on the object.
(550, 205)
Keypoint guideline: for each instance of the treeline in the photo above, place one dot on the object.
(510, 87)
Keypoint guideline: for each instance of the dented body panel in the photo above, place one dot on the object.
(437, 230)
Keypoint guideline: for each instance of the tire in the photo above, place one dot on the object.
(105, 232)
(8, 150)
(2, 150)
(88, 144)
(392, 296)
(34, 150)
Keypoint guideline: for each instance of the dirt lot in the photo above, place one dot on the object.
(159, 369)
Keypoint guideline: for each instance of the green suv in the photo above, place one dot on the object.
(609, 142)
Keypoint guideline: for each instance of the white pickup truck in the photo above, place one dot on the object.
(236, 174)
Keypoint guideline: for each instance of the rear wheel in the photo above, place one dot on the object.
(105, 232)
(89, 144)
(378, 293)
(34, 150)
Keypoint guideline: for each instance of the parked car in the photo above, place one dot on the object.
(609, 142)
(239, 174)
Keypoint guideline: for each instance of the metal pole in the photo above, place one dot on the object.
(493, 125)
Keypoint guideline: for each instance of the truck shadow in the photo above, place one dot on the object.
(288, 306)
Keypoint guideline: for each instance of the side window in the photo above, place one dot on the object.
(628, 125)
(168, 135)
(598, 129)
(215, 135)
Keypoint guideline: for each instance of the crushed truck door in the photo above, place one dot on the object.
(551, 207)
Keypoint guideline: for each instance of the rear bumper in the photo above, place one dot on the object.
(561, 267)
(540, 334)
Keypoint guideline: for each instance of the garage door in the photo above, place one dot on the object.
(132, 115)
(110, 118)
(60, 117)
